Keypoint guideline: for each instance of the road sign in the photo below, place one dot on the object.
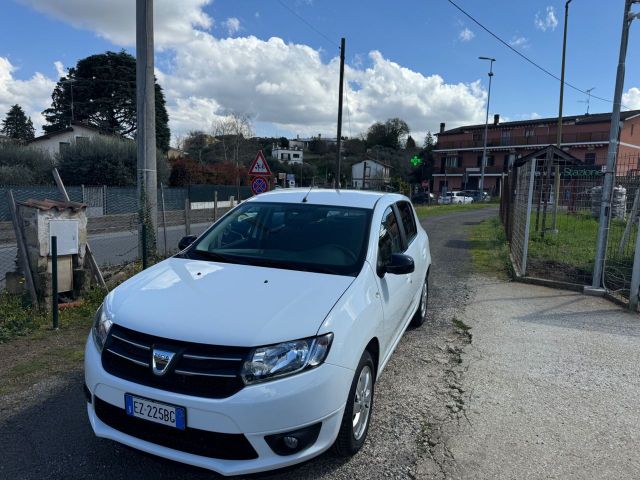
(259, 165)
(259, 185)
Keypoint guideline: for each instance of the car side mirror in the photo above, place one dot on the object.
(400, 264)
(186, 241)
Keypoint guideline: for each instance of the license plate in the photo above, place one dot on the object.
(153, 411)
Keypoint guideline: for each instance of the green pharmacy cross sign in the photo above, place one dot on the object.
(416, 160)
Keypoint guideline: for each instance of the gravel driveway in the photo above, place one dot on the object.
(553, 386)
(417, 399)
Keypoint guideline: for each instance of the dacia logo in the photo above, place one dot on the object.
(161, 360)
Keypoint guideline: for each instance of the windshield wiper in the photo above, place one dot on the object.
(216, 257)
(294, 266)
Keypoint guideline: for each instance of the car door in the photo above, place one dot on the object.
(413, 249)
(394, 289)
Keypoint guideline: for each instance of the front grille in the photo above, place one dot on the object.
(201, 370)
(225, 446)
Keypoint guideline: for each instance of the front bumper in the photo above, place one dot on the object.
(282, 405)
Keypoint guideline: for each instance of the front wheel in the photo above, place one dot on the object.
(357, 413)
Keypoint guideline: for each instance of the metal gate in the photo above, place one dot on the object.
(95, 199)
(522, 201)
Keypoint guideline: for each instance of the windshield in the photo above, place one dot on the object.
(318, 238)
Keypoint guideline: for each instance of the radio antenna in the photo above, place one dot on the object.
(304, 200)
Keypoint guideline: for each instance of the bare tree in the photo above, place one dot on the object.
(233, 132)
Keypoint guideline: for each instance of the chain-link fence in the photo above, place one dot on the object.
(113, 226)
(551, 220)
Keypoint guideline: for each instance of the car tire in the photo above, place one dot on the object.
(421, 313)
(354, 427)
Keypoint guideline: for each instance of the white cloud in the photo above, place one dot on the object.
(518, 41)
(233, 25)
(631, 98)
(466, 35)
(287, 86)
(174, 21)
(60, 70)
(546, 21)
(33, 95)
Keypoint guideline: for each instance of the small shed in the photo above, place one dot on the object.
(40, 220)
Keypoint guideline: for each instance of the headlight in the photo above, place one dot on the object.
(285, 358)
(101, 326)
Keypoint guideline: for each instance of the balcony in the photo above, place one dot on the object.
(461, 170)
(525, 140)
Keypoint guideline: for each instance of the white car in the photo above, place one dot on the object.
(454, 197)
(258, 346)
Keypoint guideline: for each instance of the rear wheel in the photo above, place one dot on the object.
(357, 413)
(421, 313)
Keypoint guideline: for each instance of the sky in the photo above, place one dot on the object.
(278, 60)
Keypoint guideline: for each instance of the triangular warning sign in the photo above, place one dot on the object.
(259, 165)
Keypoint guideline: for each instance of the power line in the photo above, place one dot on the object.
(506, 44)
(309, 24)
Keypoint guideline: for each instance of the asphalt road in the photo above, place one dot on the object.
(414, 402)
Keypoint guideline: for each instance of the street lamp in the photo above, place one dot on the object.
(486, 123)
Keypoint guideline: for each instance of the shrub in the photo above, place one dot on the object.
(20, 165)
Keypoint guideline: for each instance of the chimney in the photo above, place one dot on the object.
(441, 127)
(496, 119)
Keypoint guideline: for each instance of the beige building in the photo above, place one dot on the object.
(54, 142)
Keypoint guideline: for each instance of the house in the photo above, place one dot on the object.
(56, 141)
(370, 175)
(458, 152)
(174, 153)
(292, 155)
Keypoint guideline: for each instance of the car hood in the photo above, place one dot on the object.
(225, 304)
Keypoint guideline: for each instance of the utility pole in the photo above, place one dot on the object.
(341, 89)
(556, 183)
(146, 122)
(486, 123)
(609, 174)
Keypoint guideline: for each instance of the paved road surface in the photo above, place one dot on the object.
(110, 248)
(53, 439)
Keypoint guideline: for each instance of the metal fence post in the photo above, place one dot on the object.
(635, 277)
(145, 257)
(164, 218)
(525, 246)
(54, 281)
(187, 216)
(215, 206)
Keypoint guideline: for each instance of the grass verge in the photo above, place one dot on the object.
(32, 352)
(435, 210)
(489, 249)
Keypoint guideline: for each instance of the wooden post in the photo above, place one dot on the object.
(22, 250)
(92, 260)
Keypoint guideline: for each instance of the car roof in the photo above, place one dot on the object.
(325, 196)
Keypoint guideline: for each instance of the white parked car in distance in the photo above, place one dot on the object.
(259, 345)
(454, 197)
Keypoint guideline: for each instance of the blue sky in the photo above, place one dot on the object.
(425, 69)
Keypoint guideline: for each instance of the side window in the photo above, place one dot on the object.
(408, 220)
(389, 241)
